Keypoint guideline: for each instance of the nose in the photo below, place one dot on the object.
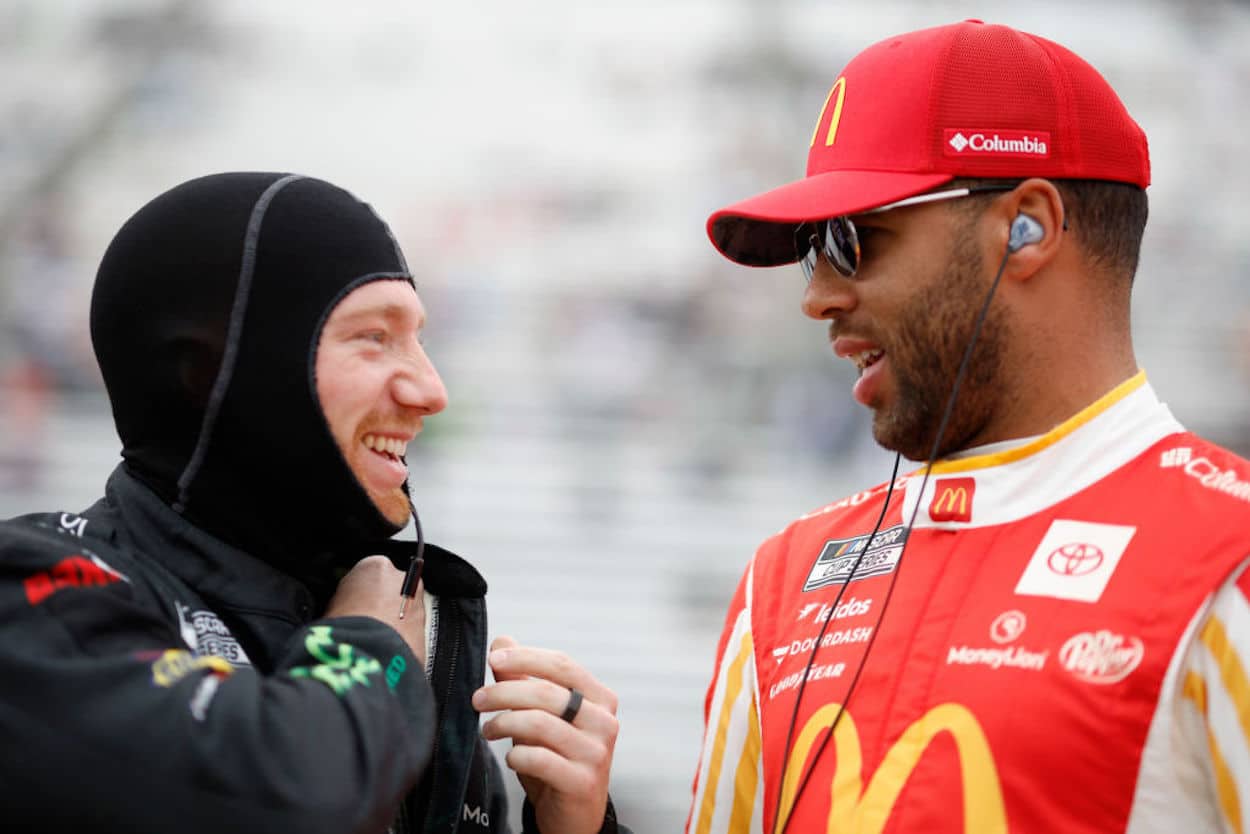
(829, 294)
(418, 385)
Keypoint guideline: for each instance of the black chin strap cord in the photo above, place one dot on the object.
(924, 483)
(413, 575)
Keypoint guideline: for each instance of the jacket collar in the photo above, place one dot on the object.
(1007, 485)
(131, 514)
(232, 578)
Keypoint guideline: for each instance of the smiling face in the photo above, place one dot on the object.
(905, 320)
(376, 384)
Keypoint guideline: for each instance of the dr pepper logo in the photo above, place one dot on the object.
(1101, 656)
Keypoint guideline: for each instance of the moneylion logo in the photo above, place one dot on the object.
(867, 810)
(1007, 626)
(1012, 658)
(997, 143)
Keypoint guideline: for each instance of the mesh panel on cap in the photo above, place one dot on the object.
(992, 79)
(1111, 143)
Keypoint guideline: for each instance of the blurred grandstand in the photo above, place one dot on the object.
(630, 415)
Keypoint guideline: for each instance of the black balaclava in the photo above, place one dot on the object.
(205, 318)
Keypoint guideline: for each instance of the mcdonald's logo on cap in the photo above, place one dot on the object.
(836, 97)
(952, 499)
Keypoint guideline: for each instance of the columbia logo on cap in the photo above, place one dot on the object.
(1014, 143)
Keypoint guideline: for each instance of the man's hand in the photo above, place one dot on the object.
(563, 765)
(371, 589)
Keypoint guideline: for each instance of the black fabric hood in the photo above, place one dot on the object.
(205, 318)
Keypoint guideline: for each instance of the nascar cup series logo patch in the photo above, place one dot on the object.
(846, 560)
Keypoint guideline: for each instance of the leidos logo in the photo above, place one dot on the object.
(997, 143)
(853, 607)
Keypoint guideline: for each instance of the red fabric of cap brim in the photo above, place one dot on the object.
(759, 231)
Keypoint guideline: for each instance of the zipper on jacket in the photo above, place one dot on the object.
(435, 767)
(401, 825)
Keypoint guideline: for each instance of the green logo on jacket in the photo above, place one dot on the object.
(340, 666)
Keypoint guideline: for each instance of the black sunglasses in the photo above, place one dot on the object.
(838, 241)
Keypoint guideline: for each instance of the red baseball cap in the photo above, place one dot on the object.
(920, 109)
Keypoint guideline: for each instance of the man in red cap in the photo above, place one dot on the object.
(1045, 626)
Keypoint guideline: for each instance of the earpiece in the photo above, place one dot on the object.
(1024, 230)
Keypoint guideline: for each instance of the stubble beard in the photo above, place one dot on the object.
(392, 504)
(933, 334)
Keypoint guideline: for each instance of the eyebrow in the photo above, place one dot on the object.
(387, 311)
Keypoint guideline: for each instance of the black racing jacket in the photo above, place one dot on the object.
(152, 678)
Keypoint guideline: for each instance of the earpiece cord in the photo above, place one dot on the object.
(937, 443)
(811, 657)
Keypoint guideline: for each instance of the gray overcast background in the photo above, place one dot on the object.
(629, 414)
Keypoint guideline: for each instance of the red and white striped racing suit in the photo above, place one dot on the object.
(1065, 648)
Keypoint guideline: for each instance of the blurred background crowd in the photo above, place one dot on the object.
(630, 415)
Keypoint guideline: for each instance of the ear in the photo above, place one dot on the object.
(1039, 201)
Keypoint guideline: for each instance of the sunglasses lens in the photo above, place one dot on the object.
(809, 265)
(836, 239)
(807, 249)
(842, 245)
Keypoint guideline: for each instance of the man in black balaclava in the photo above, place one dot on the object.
(211, 646)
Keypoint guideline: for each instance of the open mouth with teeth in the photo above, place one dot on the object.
(391, 448)
(868, 358)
